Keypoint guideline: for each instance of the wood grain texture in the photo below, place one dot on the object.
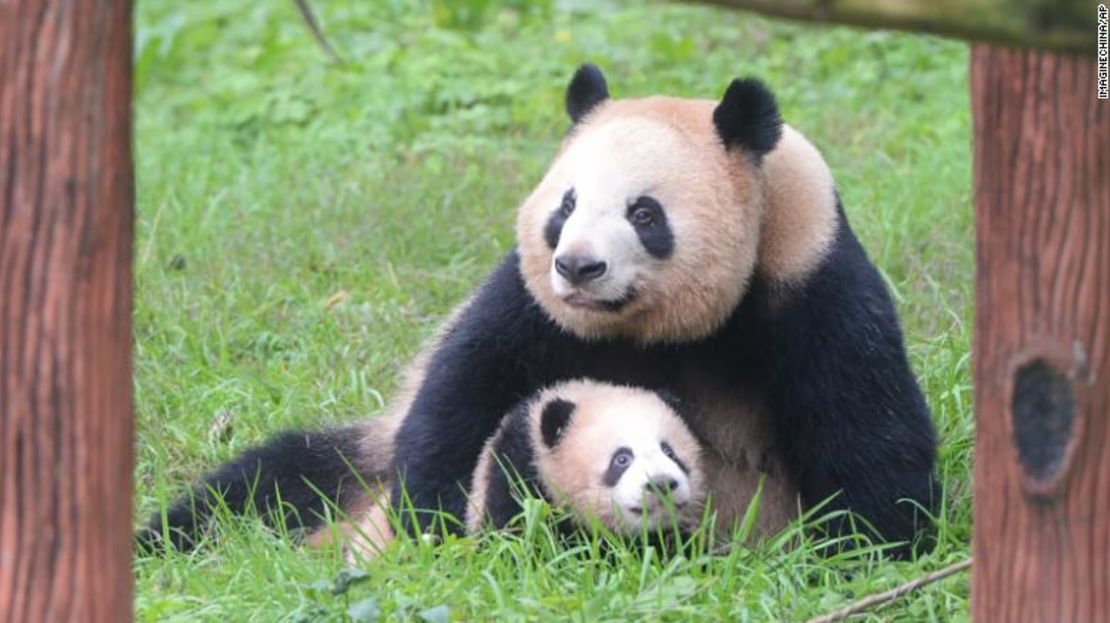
(1048, 24)
(66, 208)
(1042, 338)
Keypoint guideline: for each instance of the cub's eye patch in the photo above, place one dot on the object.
(669, 452)
(621, 461)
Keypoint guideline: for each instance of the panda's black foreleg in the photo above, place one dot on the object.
(488, 360)
(850, 416)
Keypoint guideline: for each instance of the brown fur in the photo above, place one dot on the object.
(725, 223)
(476, 504)
(695, 289)
(571, 471)
(732, 423)
(800, 222)
(780, 219)
(368, 531)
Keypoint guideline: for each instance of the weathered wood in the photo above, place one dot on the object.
(66, 198)
(1042, 338)
(1050, 24)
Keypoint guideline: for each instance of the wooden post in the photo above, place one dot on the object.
(1046, 24)
(66, 204)
(1042, 338)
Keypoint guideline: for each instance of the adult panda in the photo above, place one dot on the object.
(700, 246)
(694, 245)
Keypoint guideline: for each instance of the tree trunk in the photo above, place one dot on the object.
(1067, 25)
(66, 207)
(1042, 338)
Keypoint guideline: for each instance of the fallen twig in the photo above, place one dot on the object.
(881, 598)
(318, 33)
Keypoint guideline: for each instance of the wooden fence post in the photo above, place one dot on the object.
(66, 206)
(1042, 338)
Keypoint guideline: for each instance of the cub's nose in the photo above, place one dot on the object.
(580, 269)
(666, 484)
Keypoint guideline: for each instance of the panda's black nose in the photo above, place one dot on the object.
(666, 484)
(579, 269)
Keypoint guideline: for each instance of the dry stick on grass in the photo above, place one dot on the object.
(882, 598)
(310, 20)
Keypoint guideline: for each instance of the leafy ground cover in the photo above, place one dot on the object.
(304, 225)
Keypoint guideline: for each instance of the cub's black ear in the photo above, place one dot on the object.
(554, 420)
(748, 117)
(586, 90)
(670, 398)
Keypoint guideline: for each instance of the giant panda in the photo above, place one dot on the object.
(614, 457)
(695, 245)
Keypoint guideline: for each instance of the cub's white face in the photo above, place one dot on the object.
(645, 226)
(648, 481)
(620, 456)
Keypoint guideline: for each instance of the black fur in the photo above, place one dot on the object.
(513, 475)
(615, 470)
(554, 419)
(669, 451)
(748, 117)
(831, 364)
(280, 469)
(586, 90)
(554, 228)
(850, 416)
(671, 399)
(656, 236)
(512, 468)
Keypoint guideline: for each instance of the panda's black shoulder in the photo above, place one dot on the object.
(512, 467)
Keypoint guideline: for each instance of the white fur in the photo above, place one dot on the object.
(609, 169)
(607, 418)
(633, 492)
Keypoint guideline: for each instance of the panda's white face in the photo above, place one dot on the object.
(611, 234)
(619, 455)
(644, 226)
(649, 484)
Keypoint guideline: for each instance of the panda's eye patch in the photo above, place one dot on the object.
(645, 212)
(554, 227)
(668, 451)
(621, 461)
(649, 221)
(622, 458)
(569, 201)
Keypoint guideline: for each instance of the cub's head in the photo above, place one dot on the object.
(647, 224)
(618, 455)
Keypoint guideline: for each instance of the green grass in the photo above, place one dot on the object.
(271, 181)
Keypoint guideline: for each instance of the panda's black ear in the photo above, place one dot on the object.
(586, 90)
(748, 117)
(670, 398)
(554, 420)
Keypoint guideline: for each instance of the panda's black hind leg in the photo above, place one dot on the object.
(290, 478)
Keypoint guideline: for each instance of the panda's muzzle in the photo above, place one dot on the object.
(578, 299)
(580, 269)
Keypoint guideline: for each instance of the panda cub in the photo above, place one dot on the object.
(610, 455)
(617, 455)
